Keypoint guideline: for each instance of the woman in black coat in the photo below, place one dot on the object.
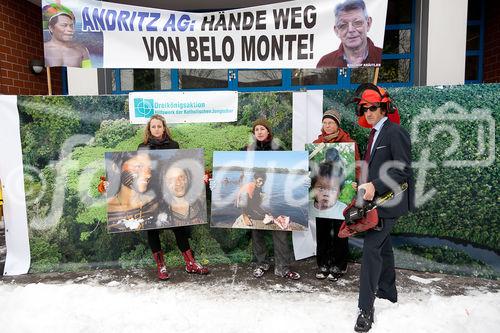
(157, 136)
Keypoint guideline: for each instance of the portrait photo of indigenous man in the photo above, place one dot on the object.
(61, 49)
(132, 205)
(352, 24)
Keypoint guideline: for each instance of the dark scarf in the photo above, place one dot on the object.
(152, 141)
(262, 145)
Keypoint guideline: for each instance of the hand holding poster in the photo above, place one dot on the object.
(292, 34)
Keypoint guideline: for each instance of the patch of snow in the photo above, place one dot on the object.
(422, 280)
(113, 284)
(157, 307)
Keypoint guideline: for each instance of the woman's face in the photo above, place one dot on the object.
(261, 133)
(330, 126)
(139, 167)
(156, 128)
(176, 181)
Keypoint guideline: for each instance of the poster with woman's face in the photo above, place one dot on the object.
(154, 189)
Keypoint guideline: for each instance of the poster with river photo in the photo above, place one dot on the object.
(260, 190)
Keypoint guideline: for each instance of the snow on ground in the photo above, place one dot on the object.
(142, 307)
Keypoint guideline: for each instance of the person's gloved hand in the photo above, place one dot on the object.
(211, 184)
(103, 185)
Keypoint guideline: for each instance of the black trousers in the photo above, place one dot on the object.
(378, 277)
(181, 238)
(330, 249)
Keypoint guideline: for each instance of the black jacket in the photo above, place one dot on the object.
(390, 163)
(263, 146)
(166, 144)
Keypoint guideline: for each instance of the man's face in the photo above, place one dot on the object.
(372, 113)
(259, 182)
(140, 167)
(326, 192)
(177, 181)
(64, 29)
(351, 27)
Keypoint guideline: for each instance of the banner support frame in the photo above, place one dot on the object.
(375, 75)
(49, 81)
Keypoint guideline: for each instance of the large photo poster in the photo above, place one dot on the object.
(260, 190)
(332, 172)
(290, 34)
(61, 153)
(53, 157)
(155, 189)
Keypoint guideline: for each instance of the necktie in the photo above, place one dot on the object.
(370, 143)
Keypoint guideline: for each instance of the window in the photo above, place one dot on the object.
(474, 45)
(260, 78)
(125, 80)
(203, 79)
(313, 77)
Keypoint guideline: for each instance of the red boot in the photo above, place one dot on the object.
(191, 265)
(160, 264)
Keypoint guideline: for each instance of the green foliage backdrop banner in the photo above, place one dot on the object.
(455, 160)
(64, 140)
(456, 227)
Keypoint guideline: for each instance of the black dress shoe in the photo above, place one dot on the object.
(364, 321)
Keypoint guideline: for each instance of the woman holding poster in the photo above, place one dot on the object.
(331, 251)
(263, 141)
(157, 136)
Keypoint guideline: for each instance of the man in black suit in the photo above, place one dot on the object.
(387, 164)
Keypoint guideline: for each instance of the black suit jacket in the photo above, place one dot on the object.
(389, 165)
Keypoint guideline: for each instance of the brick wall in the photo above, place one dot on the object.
(491, 69)
(21, 40)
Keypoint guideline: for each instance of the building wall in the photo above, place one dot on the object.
(491, 67)
(21, 41)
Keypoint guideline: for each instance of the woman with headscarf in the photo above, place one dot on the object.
(331, 251)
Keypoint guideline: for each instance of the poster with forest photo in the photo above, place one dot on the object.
(64, 139)
(60, 143)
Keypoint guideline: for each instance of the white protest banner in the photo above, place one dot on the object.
(184, 107)
(291, 34)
